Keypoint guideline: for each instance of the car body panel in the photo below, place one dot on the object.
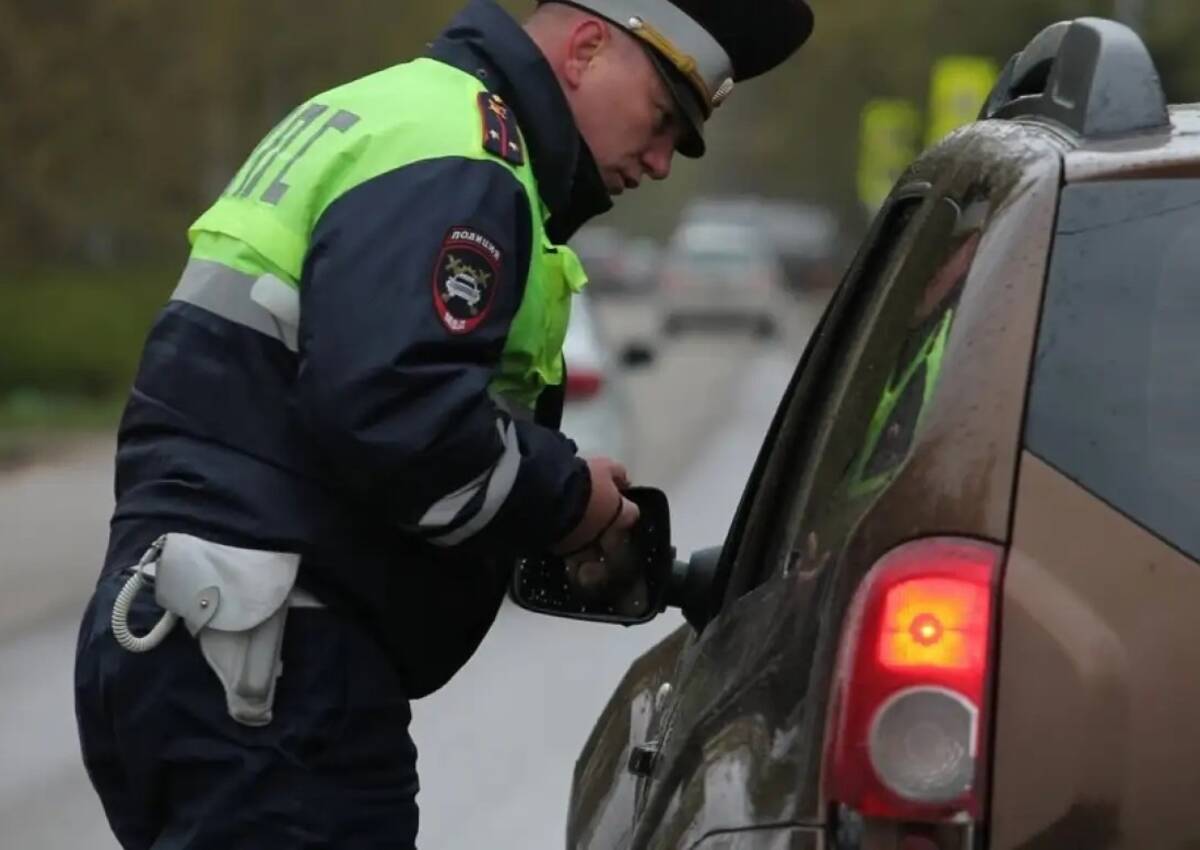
(1096, 742)
(735, 743)
(744, 726)
(604, 791)
(767, 838)
(1148, 155)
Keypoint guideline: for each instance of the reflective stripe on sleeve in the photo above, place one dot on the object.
(513, 408)
(499, 486)
(265, 304)
(446, 510)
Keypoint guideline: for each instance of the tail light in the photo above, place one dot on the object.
(583, 384)
(760, 279)
(908, 725)
(674, 278)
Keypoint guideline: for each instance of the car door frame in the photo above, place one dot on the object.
(845, 315)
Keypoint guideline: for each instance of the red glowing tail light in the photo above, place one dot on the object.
(675, 276)
(583, 384)
(907, 722)
(935, 623)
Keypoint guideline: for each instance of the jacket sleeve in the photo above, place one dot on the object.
(408, 292)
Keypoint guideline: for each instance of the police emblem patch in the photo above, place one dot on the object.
(465, 279)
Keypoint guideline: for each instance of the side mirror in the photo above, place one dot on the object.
(544, 586)
(636, 355)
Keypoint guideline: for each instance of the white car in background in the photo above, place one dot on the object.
(806, 236)
(617, 265)
(718, 273)
(597, 413)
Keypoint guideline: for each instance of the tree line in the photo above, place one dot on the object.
(124, 118)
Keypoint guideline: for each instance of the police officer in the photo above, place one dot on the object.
(344, 425)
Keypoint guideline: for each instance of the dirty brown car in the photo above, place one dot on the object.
(958, 605)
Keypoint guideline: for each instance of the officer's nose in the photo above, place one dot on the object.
(657, 159)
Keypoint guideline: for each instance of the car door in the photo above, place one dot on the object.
(737, 745)
(708, 742)
(612, 780)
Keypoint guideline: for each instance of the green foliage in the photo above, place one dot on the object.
(119, 128)
(797, 134)
(72, 339)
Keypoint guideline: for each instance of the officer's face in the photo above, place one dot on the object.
(626, 113)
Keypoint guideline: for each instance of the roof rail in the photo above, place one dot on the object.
(1091, 75)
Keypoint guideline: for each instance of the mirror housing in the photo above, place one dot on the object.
(542, 585)
(692, 584)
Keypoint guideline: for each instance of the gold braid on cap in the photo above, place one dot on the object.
(686, 64)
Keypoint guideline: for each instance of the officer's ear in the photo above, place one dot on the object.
(588, 40)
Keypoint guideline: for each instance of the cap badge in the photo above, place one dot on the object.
(723, 92)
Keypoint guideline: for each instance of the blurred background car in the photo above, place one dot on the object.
(597, 413)
(721, 274)
(643, 257)
(805, 237)
(616, 264)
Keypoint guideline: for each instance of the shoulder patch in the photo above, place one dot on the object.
(500, 134)
(465, 279)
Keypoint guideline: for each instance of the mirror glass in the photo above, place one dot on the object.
(629, 587)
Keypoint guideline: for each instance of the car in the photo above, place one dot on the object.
(596, 411)
(805, 236)
(643, 255)
(957, 605)
(721, 274)
(617, 265)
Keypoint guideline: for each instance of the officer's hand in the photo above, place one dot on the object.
(607, 510)
(606, 570)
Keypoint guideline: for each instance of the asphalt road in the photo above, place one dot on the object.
(498, 744)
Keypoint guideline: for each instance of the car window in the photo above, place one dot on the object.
(1115, 400)
(880, 253)
(904, 398)
(716, 259)
(718, 244)
(860, 427)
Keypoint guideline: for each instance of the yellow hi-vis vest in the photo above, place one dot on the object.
(262, 224)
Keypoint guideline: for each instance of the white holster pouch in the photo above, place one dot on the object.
(234, 602)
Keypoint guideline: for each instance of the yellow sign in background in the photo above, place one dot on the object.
(958, 89)
(891, 128)
(889, 139)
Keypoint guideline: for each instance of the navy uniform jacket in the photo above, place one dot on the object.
(231, 437)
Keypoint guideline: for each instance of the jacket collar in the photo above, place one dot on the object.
(484, 40)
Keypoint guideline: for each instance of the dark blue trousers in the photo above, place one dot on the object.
(335, 768)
